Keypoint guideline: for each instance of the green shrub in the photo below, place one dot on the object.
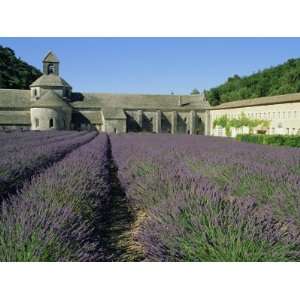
(241, 121)
(279, 140)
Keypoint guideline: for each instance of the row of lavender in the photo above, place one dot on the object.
(211, 199)
(27, 156)
(34, 140)
(57, 215)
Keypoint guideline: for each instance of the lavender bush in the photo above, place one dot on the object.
(56, 217)
(12, 147)
(16, 167)
(194, 198)
(211, 199)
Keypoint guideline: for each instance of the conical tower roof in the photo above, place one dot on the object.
(51, 57)
(51, 80)
(50, 100)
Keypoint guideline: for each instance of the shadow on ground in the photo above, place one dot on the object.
(119, 223)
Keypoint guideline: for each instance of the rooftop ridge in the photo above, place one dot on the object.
(135, 94)
(50, 57)
(18, 90)
(259, 101)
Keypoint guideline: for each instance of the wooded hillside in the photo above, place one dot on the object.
(15, 73)
(282, 79)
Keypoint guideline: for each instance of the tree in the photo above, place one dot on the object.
(15, 73)
(282, 79)
(195, 92)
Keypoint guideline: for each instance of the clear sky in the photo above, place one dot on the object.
(154, 65)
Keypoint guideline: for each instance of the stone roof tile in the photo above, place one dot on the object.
(14, 99)
(113, 113)
(259, 101)
(50, 100)
(51, 80)
(15, 118)
(135, 101)
(51, 57)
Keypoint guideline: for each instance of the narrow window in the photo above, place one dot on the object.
(51, 123)
(295, 114)
(35, 92)
(50, 69)
(287, 131)
(37, 123)
(289, 114)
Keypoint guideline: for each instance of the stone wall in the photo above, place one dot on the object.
(49, 119)
(184, 122)
(114, 126)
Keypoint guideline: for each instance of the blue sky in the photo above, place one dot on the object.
(154, 65)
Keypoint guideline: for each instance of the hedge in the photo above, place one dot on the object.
(280, 140)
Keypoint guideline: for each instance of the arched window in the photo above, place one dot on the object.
(34, 92)
(37, 123)
(50, 69)
(51, 123)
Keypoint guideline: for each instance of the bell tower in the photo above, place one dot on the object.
(51, 64)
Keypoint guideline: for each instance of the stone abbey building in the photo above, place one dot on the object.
(51, 104)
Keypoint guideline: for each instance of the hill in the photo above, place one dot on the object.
(15, 73)
(282, 79)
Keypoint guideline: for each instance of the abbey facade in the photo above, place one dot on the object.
(51, 104)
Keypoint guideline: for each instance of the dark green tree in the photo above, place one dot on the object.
(282, 79)
(195, 92)
(15, 73)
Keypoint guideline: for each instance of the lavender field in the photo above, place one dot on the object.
(83, 196)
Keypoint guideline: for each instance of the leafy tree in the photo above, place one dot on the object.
(282, 79)
(195, 92)
(15, 73)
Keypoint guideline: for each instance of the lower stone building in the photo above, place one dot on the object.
(51, 104)
(282, 113)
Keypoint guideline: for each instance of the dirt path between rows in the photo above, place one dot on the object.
(120, 223)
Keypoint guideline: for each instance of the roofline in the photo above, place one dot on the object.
(15, 124)
(51, 52)
(169, 108)
(280, 101)
(133, 94)
(18, 108)
(114, 118)
(14, 90)
(56, 86)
